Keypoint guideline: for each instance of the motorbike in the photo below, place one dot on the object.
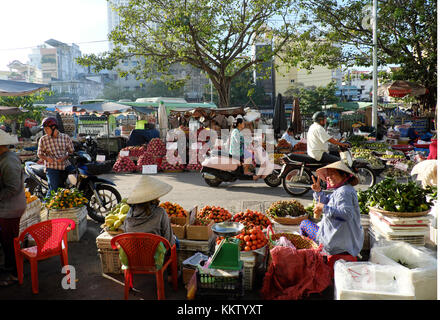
(101, 193)
(222, 167)
(298, 169)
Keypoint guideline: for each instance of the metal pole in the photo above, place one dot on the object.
(374, 110)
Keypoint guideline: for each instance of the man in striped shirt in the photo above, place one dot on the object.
(54, 148)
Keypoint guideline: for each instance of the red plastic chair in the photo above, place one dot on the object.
(51, 240)
(140, 249)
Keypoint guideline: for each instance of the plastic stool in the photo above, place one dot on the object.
(331, 259)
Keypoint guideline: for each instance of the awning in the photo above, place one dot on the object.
(99, 107)
(4, 110)
(20, 88)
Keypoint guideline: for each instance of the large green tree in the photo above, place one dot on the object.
(406, 31)
(213, 36)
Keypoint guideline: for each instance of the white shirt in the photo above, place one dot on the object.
(289, 139)
(317, 139)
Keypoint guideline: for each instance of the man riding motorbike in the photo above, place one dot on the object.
(318, 139)
(54, 148)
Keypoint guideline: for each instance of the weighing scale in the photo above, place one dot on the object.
(227, 254)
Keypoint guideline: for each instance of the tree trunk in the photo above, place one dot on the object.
(224, 92)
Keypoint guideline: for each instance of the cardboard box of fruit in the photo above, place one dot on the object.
(198, 229)
(179, 218)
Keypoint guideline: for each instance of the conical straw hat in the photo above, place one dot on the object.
(147, 189)
(339, 165)
(6, 139)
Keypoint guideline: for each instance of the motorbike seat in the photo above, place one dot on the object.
(305, 159)
(39, 170)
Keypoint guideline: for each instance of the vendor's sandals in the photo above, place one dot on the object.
(7, 281)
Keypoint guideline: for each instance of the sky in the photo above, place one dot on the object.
(28, 23)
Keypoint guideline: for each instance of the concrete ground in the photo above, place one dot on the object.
(188, 190)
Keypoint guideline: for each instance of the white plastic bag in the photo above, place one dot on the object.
(369, 281)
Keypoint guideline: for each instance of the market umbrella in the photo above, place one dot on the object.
(20, 88)
(401, 88)
(295, 120)
(163, 120)
(279, 116)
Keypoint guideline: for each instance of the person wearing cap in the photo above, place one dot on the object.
(54, 148)
(12, 204)
(340, 229)
(318, 139)
(145, 215)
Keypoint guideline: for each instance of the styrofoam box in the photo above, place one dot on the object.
(368, 281)
(422, 267)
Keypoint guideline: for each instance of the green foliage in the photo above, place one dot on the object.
(406, 31)
(212, 36)
(25, 102)
(152, 89)
(313, 98)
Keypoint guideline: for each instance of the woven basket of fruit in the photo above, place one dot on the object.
(399, 214)
(391, 198)
(300, 242)
(287, 212)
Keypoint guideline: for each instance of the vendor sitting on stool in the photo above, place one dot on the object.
(340, 230)
(145, 215)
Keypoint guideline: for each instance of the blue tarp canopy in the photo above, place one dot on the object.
(20, 88)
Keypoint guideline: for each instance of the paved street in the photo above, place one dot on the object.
(189, 190)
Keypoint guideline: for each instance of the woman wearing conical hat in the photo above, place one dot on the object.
(340, 230)
(145, 215)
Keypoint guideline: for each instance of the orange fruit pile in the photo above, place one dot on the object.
(174, 209)
(217, 214)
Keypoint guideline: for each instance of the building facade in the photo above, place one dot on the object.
(286, 77)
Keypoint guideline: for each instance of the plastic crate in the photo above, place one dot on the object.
(249, 264)
(219, 286)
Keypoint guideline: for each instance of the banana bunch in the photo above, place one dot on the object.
(117, 216)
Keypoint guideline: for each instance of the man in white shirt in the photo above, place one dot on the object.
(288, 136)
(318, 139)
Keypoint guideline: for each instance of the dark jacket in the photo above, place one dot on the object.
(12, 197)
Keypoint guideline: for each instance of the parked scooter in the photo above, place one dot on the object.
(222, 167)
(298, 169)
(101, 193)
